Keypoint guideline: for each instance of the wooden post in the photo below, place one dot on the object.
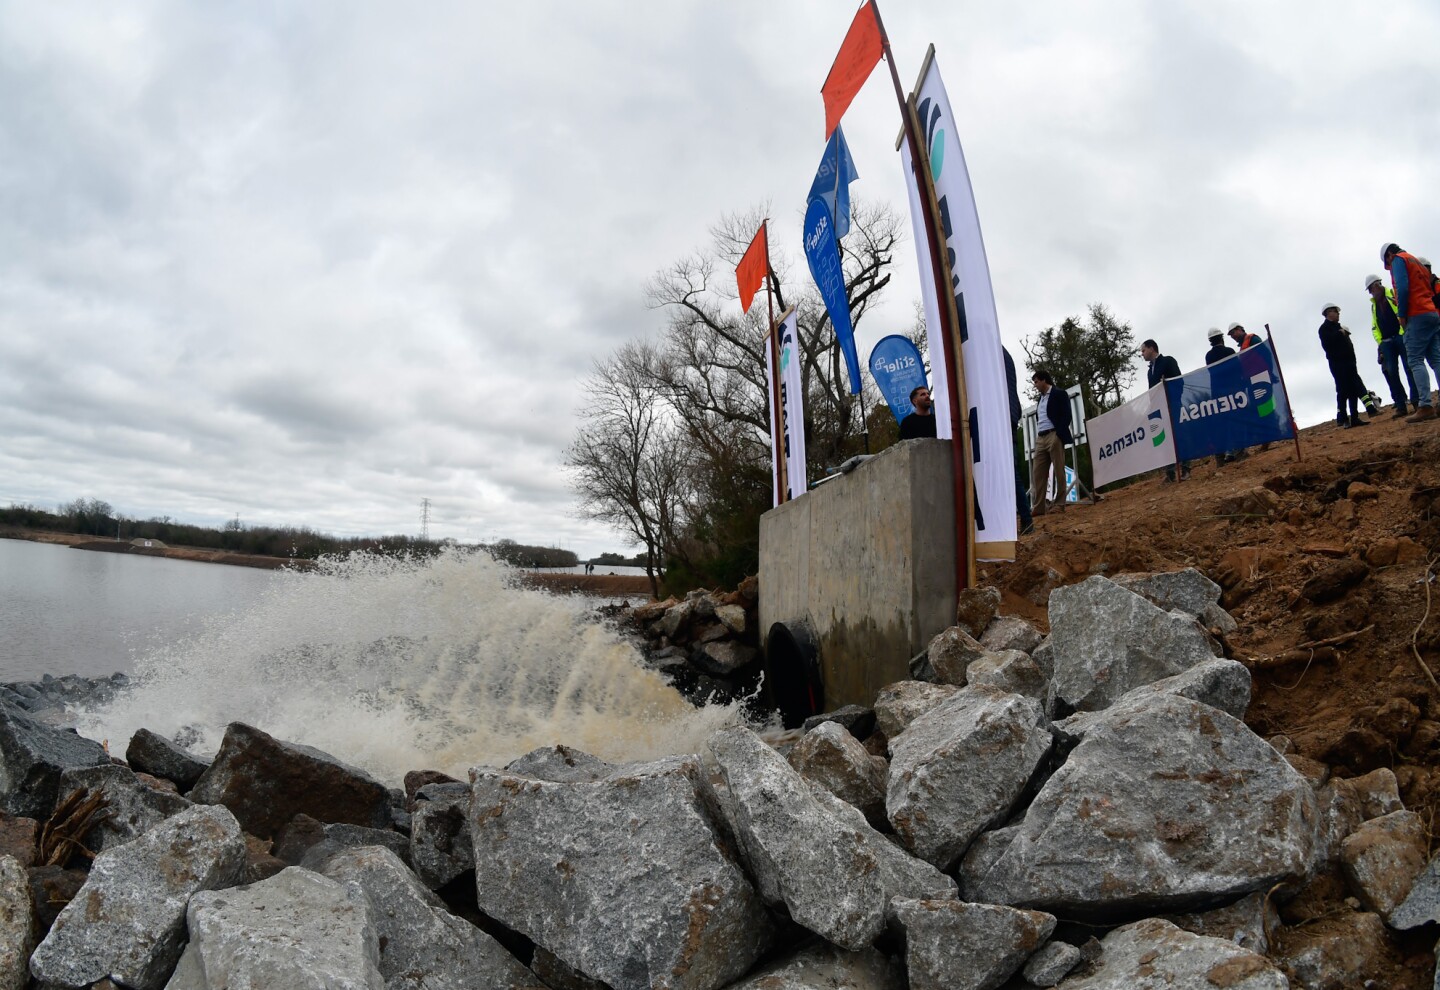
(1270, 339)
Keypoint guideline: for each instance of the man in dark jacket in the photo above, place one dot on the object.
(1052, 437)
(1022, 497)
(1340, 353)
(1158, 368)
(1219, 352)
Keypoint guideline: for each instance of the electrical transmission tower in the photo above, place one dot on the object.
(425, 519)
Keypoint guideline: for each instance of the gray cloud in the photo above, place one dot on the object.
(313, 264)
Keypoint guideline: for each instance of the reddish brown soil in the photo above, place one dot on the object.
(1362, 703)
(635, 587)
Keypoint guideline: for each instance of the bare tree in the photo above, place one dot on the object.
(629, 458)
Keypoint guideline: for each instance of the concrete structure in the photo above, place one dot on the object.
(868, 562)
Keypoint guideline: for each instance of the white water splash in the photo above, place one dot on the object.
(397, 665)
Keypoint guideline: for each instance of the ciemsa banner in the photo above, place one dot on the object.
(1132, 439)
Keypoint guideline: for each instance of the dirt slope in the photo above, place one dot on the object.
(1334, 548)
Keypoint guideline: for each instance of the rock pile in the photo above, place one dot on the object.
(1084, 810)
(707, 643)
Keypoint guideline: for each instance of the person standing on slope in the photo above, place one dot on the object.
(1219, 352)
(1052, 436)
(1415, 306)
(1390, 339)
(1158, 368)
(1340, 353)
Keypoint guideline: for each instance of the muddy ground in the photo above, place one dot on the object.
(1324, 563)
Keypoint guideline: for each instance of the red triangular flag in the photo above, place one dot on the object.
(750, 273)
(859, 53)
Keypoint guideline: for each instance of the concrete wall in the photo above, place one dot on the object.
(868, 560)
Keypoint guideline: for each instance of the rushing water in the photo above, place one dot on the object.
(397, 665)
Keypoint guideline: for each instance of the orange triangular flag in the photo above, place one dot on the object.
(750, 273)
(859, 53)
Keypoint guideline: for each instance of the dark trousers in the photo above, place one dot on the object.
(1393, 362)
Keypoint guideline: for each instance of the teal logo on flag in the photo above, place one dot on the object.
(1157, 429)
(1263, 394)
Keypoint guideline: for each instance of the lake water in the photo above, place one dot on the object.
(66, 611)
(392, 664)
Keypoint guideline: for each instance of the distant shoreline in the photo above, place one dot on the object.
(635, 586)
(77, 541)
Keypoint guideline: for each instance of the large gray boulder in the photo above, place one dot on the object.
(32, 757)
(266, 782)
(561, 764)
(622, 878)
(830, 756)
(821, 966)
(951, 653)
(422, 945)
(1012, 671)
(1155, 955)
(127, 922)
(1106, 641)
(952, 945)
(812, 852)
(149, 752)
(440, 844)
(1175, 806)
(1010, 632)
(133, 807)
(1382, 858)
(1422, 905)
(1187, 590)
(961, 768)
(899, 704)
(297, 930)
(17, 925)
(1219, 683)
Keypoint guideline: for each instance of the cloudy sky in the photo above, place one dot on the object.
(311, 263)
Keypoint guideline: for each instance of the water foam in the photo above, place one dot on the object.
(396, 665)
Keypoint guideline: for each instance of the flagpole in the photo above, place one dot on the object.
(954, 368)
(1280, 372)
(782, 487)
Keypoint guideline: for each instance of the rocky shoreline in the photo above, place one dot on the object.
(1084, 810)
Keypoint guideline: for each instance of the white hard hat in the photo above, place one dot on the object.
(1423, 261)
(1384, 250)
(1213, 333)
(1329, 306)
(1234, 326)
(1371, 280)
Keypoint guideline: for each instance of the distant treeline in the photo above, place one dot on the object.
(94, 517)
(617, 560)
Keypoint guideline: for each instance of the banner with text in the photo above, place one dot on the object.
(1233, 404)
(1132, 439)
(822, 251)
(898, 369)
(792, 410)
(986, 392)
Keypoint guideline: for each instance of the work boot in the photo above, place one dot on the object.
(1401, 411)
(1341, 418)
(1422, 414)
(1356, 421)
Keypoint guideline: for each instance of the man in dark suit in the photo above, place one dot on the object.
(1052, 437)
(1160, 367)
(1022, 497)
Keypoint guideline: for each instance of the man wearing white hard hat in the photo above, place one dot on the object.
(1243, 340)
(1219, 352)
(1415, 306)
(1390, 341)
(1434, 282)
